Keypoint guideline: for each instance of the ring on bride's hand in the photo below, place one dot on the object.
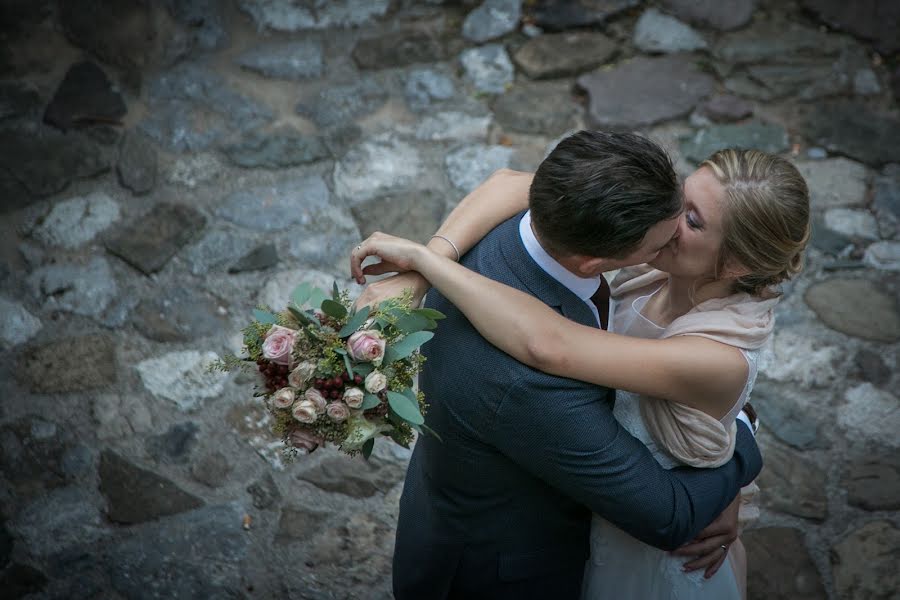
(725, 548)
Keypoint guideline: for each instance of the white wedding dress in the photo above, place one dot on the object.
(622, 567)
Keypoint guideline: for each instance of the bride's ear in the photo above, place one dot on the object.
(734, 270)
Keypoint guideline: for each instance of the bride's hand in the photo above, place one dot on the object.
(397, 256)
(392, 287)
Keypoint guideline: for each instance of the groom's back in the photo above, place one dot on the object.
(471, 518)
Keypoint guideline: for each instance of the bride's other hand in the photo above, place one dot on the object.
(394, 286)
(397, 255)
(710, 547)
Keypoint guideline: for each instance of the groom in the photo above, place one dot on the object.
(500, 506)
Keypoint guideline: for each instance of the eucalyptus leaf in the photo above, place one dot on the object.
(301, 294)
(316, 297)
(335, 292)
(405, 408)
(299, 315)
(432, 432)
(434, 315)
(348, 364)
(333, 309)
(355, 322)
(370, 401)
(264, 317)
(409, 344)
(411, 323)
(367, 448)
(363, 369)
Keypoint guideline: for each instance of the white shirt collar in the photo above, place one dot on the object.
(583, 287)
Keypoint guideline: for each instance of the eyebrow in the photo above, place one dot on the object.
(693, 206)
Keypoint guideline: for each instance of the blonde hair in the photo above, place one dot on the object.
(766, 217)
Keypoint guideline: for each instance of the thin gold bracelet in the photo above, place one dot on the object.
(458, 255)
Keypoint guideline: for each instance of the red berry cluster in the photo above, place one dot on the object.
(275, 375)
(333, 387)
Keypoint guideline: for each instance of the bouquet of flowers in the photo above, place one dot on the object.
(338, 374)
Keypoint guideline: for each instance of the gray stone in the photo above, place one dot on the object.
(874, 20)
(191, 107)
(488, 68)
(775, 41)
(194, 170)
(542, 108)
(808, 80)
(356, 478)
(6, 546)
(873, 482)
(287, 15)
(264, 492)
(341, 138)
(17, 325)
(399, 49)
(827, 240)
(855, 307)
(204, 18)
(871, 414)
(340, 104)
(218, 249)
(792, 483)
(718, 14)
(260, 258)
(644, 91)
(276, 150)
(817, 153)
(17, 99)
(78, 462)
(723, 108)
(136, 167)
(149, 242)
(834, 182)
(136, 495)
(469, 166)
(182, 377)
(20, 581)
(64, 518)
(121, 416)
(865, 83)
(77, 221)
(381, 164)
(85, 96)
(295, 60)
(196, 554)
(32, 463)
(852, 223)
(767, 137)
(656, 32)
(872, 368)
(563, 54)
(781, 567)
(173, 446)
(299, 524)
(70, 365)
(83, 289)
(743, 85)
(800, 355)
(491, 20)
(424, 87)
(789, 414)
(564, 14)
(854, 130)
(452, 125)
(864, 563)
(886, 192)
(43, 162)
(211, 469)
(883, 255)
(179, 314)
(414, 219)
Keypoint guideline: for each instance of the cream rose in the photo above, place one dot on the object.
(283, 398)
(305, 412)
(302, 374)
(315, 396)
(354, 397)
(337, 412)
(367, 345)
(376, 381)
(279, 344)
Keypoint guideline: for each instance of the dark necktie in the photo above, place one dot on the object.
(601, 301)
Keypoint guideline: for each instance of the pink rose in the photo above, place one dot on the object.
(283, 398)
(279, 344)
(305, 411)
(367, 345)
(337, 412)
(315, 396)
(302, 374)
(305, 440)
(354, 397)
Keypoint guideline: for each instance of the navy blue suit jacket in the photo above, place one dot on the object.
(500, 507)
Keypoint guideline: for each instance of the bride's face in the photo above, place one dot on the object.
(694, 249)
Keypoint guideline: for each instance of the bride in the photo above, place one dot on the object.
(695, 316)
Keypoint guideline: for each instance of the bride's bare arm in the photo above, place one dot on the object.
(691, 370)
(498, 198)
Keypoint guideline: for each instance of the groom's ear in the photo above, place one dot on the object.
(590, 266)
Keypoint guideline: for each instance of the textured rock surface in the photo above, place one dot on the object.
(563, 54)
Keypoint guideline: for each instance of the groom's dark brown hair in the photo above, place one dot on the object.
(598, 193)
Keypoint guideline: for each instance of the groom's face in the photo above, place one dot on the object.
(654, 241)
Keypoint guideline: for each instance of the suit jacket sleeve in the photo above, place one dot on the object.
(570, 439)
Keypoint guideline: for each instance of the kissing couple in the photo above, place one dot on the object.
(593, 435)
